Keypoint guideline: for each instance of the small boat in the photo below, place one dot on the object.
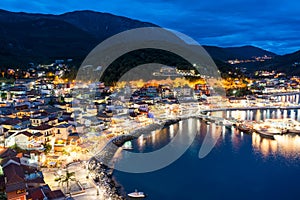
(136, 194)
(227, 123)
(294, 129)
(127, 146)
(207, 120)
(269, 132)
(244, 128)
(266, 134)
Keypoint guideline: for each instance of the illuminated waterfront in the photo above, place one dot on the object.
(240, 166)
(260, 114)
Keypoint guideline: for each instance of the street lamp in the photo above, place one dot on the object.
(234, 92)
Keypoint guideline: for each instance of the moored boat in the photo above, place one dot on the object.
(269, 132)
(227, 123)
(136, 194)
(294, 130)
(244, 128)
(266, 134)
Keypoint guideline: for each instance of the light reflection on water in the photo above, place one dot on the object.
(287, 146)
(238, 158)
(259, 114)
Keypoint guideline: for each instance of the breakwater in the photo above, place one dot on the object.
(102, 163)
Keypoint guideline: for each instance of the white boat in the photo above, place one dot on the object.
(136, 194)
(127, 145)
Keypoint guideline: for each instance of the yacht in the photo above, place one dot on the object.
(269, 132)
(294, 129)
(136, 194)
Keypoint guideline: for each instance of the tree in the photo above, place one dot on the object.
(47, 147)
(66, 179)
(17, 148)
(3, 95)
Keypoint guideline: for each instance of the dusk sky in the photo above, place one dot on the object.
(270, 24)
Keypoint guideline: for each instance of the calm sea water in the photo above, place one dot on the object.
(240, 166)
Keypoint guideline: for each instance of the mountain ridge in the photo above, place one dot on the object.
(239, 52)
(42, 38)
(27, 37)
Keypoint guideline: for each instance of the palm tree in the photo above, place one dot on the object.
(66, 179)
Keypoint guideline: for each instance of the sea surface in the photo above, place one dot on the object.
(240, 166)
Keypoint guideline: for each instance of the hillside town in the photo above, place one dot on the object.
(42, 129)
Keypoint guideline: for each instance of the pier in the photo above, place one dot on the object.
(251, 108)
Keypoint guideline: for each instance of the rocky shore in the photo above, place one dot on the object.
(107, 154)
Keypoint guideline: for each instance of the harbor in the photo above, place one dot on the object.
(268, 128)
(234, 154)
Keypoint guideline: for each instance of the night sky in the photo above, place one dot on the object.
(270, 24)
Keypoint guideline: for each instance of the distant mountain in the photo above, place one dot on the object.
(101, 25)
(36, 38)
(42, 38)
(289, 63)
(231, 53)
(288, 59)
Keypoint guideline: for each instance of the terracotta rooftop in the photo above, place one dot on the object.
(36, 180)
(7, 153)
(35, 194)
(55, 194)
(13, 169)
(14, 177)
(6, 160)
(15, 183)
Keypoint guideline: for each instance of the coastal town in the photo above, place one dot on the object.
(50, 126)
(149, 100)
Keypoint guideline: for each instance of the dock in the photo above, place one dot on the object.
(267, 129)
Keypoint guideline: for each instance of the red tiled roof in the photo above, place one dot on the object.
(13, 169)
(36, 180)
(6, 160)
(55, 194)
(35, 194)
(14, 179)
(7, 153)
(15, 183)
(20, 155)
